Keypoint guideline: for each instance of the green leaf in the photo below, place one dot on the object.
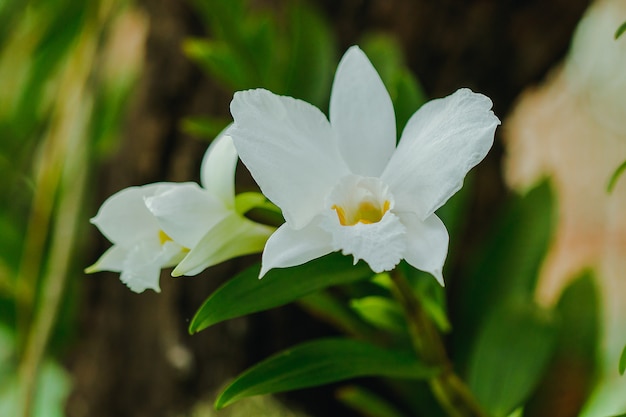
(509, 358)
(222, 61)
(622, 362)
(367, 403)
(204, 127)
(620, 31)
(613, 180)
(311, 56)
(574, 362)
(325, 306)
(505, 268)
(381, 312)
(245, 293)
(321, 362)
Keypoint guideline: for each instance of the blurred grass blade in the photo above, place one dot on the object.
(245, 293)
(622, 362)
(616, 174)
(509, 358)
(620, 31)
(321, 362)
(367, 403)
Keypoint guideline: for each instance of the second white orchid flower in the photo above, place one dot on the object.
(344, 185)
(166, 224)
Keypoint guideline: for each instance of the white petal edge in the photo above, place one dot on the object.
(289, 148)
(290, 247)
(362, 115)
(441, 142)
(124, 218)
(232, 237)
(426, 244)
(186, 212)
(217, 172)
(111, 260)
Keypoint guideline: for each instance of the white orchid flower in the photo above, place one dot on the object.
(210, 220)
(344, 185)
(140, 247)
(159, 225)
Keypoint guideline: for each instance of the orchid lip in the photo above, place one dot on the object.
(360, 200)
(367, 212)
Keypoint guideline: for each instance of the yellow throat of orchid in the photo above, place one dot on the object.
(366, 213)
(163, 237)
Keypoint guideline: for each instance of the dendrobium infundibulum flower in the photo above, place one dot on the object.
(161, 225)
(343, 185)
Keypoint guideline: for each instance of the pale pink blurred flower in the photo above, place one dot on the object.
(573, 130)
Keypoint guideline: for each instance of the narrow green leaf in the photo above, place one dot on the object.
(616, 174)
(509, 358)
(622, 362)
(367, 403)
(245, 293)
(620, 31)
(321, 362)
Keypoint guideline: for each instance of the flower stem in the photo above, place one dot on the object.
(449, 390)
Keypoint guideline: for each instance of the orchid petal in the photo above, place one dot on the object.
(233, 236)
(361, 113)
(381, 244)
(142, 267)
(185, 212)
(441, 142)
(111, 260)
(123, 218)
(217, 172)
(289, 148)
(141, 272)
(426, 244)
(290, 247)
